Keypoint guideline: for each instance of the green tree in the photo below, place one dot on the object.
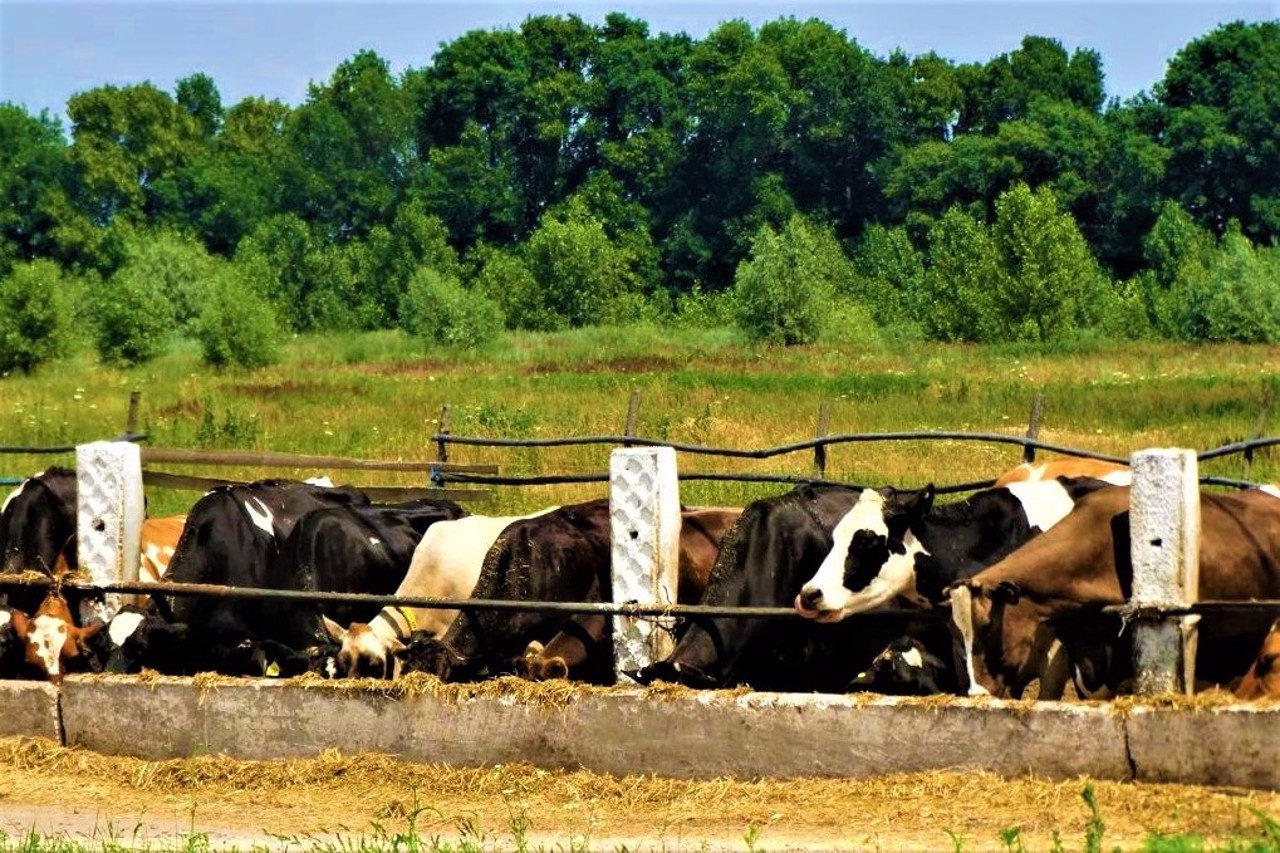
(439, 309)
(888, 273)
(1221, 120)
(128, 144)
(35, 315)
(581, 275)
(178, 266)
(132, 317)
(958, 297)
(1051, 284)
(33, 170)
(785, 289)
(236, 324)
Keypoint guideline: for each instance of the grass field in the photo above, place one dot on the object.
(380, 396)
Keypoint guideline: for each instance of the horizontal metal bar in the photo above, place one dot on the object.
(688, 476)
(764, 453)
(252, 593)
(1199, 607)
(378, 494)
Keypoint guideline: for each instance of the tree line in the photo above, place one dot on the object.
(564, 174)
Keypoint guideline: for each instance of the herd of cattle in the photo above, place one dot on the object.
(1027, 567)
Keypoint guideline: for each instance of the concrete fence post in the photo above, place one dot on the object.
(1164, 524)
(109, 516)
(644, 511)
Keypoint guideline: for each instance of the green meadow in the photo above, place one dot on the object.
(380, 395)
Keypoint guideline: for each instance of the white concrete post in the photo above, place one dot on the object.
(109, 519)
(1164, 524)
(644, 508)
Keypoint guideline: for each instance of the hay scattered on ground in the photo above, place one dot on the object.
(334, 790)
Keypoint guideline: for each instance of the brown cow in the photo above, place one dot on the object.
(159, 539)
(1262, 681)
(51, 636)
(701, 531)
(1054, 585)
(1118, 475)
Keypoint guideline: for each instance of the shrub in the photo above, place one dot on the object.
(178, 265)
(782, 292)
(132, 317)
(440, 309)
(577, 270)
(955, 301)
(236, 324)
(505, 278)
(35, 316)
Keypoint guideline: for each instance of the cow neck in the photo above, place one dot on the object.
(398, 620)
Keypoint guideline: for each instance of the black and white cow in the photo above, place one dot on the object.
(233, 536)
(776, 544)
(37, 525)
(897, 546)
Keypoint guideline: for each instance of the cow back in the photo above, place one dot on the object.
(562, 555)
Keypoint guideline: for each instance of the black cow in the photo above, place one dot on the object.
(322, 539)
(556, 556)
(37, 525)
(13, 662)
(906, 668)
(353, 548)
(776, 544)
(233, 536)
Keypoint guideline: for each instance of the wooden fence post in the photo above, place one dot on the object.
(1033, 428)
(109, 517)
(1265, 408)
(131, 419)
(442, 429)
(644, 514)
(1164, 532)
(820, 450)
(633, 411)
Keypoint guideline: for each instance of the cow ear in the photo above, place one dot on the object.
(922, 502)
(21, 625)
(335, 631)
(396, 648)
(88, 631)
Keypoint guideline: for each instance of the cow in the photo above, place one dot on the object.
(894, 545)
(13, 662)
(37, 525)
(445, 564)
(1263, 678)
(52, 640)
(906, 667)
(1110, 472)
(1054, 586)
(233, 536)
(553, 557)
(774, 546)
(355, 548)
(158, 539)
(701, 532)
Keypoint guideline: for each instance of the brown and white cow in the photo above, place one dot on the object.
(1262, 681)
(159, 539)
(1111, 472)
(51, 637)
(1054, 586)
(701, 531)
(445, 564)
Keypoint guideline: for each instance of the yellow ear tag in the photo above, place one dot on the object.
(273, 670)
(409, 618)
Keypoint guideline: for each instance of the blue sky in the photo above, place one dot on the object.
(50, 49)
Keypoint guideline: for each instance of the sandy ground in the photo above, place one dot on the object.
(336, 800)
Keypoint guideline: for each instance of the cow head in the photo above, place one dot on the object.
(872, 559)
(674, 672)
(51, 636)
(136, 639)
(363, 651)
(1263, 678)
(904, 668)
(536, 665)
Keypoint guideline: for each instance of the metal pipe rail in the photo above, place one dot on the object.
(792, 479)
(571, 607)
(68, 448)
(780, 450)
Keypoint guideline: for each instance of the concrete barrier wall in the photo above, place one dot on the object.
(29, 709)
(684, 735)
